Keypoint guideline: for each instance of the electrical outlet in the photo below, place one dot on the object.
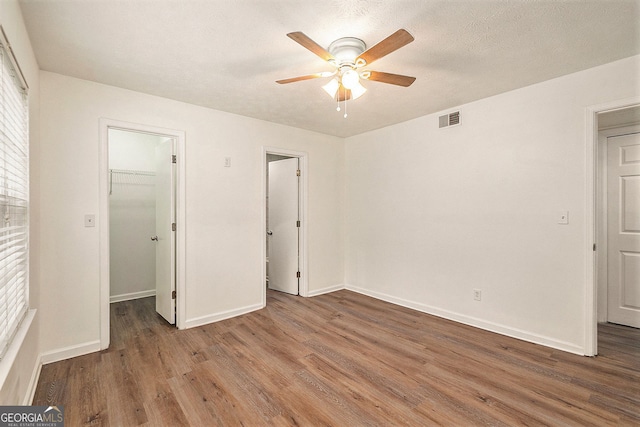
(477, 294)
(563, 217)
(89, 220)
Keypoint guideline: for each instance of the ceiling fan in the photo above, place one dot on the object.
(349, 56)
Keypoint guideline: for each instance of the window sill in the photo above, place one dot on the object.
(9, 359)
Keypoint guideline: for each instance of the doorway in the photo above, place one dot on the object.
(285, 223)
(618, 207)
(603, 121)
(141, 214)
(142, 227)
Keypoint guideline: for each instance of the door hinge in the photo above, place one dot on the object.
(173, 226)
(594, 247)
(298, 274)
(174, 158)
(298, 224)
(298, 172)
(173, 294)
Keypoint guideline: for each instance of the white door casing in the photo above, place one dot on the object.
(179, 137)
(283, 229)
(623, 213)
(165, 237)
(593, 214)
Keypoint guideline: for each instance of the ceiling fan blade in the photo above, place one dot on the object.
(307, 77)
(343, 94)
(394, 79)
(314, 47)
(392, 43)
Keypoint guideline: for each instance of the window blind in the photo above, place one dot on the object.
(14, 196)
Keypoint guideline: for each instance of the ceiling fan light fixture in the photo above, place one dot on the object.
(332, 88)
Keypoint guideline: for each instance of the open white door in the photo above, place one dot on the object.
(283, 226)
(165, 235)
(623, 181)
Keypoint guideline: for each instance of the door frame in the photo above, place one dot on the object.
(103, 218)
(303, 287)
(592, 218)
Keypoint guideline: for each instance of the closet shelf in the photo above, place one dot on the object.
(130, 177)
(131, 172)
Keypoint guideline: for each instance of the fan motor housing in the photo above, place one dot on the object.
(346, 50)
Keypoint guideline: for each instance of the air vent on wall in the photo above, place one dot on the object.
(450, 119)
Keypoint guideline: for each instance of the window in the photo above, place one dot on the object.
(14, 196)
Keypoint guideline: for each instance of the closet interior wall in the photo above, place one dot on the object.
(132, 220)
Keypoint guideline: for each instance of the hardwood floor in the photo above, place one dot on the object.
(339, 359)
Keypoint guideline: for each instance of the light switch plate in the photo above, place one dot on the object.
(227, 162)
(89, 220)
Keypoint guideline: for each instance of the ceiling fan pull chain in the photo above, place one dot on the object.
(345, 103)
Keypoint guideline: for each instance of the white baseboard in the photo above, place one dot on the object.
(69, 352)
(56, 356)
(132, 295)
(325, 290)
(472, 321)
(211, 318)
(33, 383)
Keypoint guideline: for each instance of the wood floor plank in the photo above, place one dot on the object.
(215, 399)
(374, 403)
(163, 409)
(339, 359)
(125, 402)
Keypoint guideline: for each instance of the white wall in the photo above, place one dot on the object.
(18, 369)
(132, 150)
(132, 215)
(224, 205)
(434, 213)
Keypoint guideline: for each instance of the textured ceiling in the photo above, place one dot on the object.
(227, 54)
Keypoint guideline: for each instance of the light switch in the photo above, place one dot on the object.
(563, 217)
(227, 162)
(89, 220)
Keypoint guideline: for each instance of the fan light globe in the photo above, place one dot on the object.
(357, 91)
(331, 88)
(350, 79)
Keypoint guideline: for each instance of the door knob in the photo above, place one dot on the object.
(269, 232)
(155, 238)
